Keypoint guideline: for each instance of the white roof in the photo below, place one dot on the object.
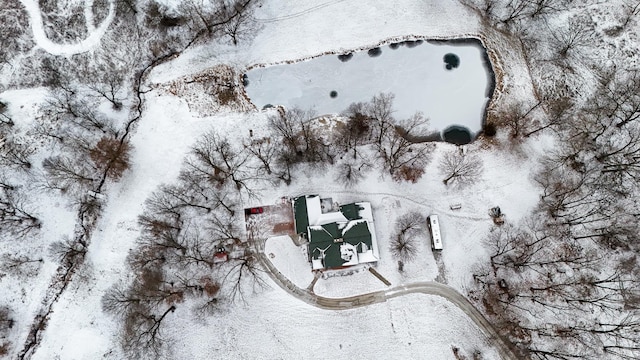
(314, 211)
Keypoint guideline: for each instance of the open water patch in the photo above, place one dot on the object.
(458, 135)
(451, 61)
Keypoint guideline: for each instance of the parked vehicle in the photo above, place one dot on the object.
(253, 211)
(434, 230)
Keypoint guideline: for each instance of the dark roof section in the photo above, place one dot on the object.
(351, 211)
(300, 214)
(358, 234)
(333, 230)
(327, 239)
(333, 257)
(320, 237)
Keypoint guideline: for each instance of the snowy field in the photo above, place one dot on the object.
(274, 325)
(416, 75)
(289, 259)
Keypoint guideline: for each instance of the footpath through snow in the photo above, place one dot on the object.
(90, 42)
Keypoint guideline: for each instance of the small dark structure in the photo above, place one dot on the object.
(497, 215)
(221, 255)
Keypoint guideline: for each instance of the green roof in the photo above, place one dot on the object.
(351, 211)
(328, 238)
(357, 234)
(333, 258)
(320, 237)
(333, 230)
(300, 214)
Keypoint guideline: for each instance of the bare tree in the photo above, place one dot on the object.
(301, 139)
(15, 37)
(15, 216)
(515, 117)
(20, 265)
(352, 172)
(145, 307)
(618, 97)
(630, 10)
(67, 174)
(6, 324)
(539, 269)
(380, 110)
(577, 34)
(355, 131)
(460, 169)
(111, 89)
(5, 120)
(229, 18)
(405, 240)
(69, 109)
(217, 158)
(403, 159)
(242, 274)
(265, 151)
(513, 14)
(69, 251)
(241, 24)
(14, 153)
(111, 156)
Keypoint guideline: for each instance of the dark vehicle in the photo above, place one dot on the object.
(255, 210)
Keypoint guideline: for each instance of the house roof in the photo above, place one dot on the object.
(351, 211)
(300, 214)
(358, 233)
(338, 238)
(338, 245)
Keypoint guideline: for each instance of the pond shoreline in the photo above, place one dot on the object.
(490, 59)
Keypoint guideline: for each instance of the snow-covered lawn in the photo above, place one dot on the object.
(289, 259)
(416, 76)
(274, 325)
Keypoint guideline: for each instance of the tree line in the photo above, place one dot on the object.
(562, 283)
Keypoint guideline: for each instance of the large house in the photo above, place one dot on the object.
(337, 237)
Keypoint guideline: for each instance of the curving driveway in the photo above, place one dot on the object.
(505, 348)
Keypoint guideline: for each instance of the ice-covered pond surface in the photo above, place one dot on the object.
(417, 75)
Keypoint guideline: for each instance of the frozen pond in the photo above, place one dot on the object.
(450, 82)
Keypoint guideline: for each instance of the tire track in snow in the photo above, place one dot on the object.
(95, 34)
(300, 13)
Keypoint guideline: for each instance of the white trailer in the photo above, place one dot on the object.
(434, 230)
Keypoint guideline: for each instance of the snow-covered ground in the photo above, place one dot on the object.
(272, 324)
(289, 259)
(416, 76)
